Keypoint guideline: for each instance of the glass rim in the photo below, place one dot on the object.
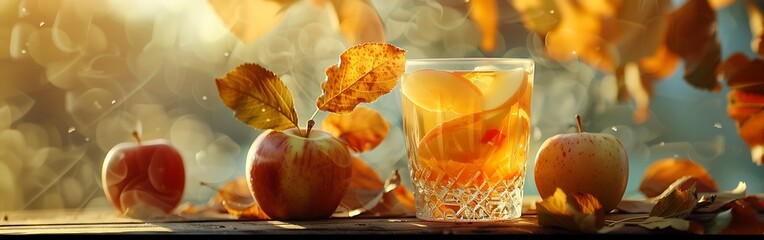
(417, 61)
(469, 59)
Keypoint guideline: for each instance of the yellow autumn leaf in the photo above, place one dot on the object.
(258, 97)
(365, 72)
(578, 212)
(250, 19)
(485, 14)
(363, 129)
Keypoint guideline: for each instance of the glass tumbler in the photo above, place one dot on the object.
(467, 125)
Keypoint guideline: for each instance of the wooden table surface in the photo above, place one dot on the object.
(72, 223)
(108, 221)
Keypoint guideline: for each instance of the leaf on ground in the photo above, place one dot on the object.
(359, 21)
(485, 14)
(250, 19)
(236, 199)
(577, 212)
(724, 198)
(741, 218)
(365, 72)
(679, 203)
(661, 223)
(662, 173)
(367, 195)
(362, 130)
(692, 36)
(257, 97)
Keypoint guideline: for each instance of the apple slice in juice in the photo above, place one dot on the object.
(494, 85)
(440, 91)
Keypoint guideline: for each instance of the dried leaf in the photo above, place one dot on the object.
(679, 203)
(692, 35)
(661, 223)
(359, 21)
(363, 129)
(250, 19)
(741, 218)
(577, 212)
(724, 198)
(258, 97)
(369, 196)
(662, 173)
(236, 199)
(485, 14)
(365, 73)
(707, 203)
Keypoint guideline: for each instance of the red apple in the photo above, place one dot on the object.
(584, 162)
(296, 177)
(143, 178)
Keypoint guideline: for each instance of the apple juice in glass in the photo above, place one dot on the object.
(467, 124)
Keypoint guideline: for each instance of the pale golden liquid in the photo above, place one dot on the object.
(469, 167)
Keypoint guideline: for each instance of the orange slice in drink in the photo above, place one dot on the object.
(440, 91)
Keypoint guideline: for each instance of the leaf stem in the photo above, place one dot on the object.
(314, 115)
(627, 220)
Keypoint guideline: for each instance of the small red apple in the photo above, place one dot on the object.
(584, 162)
(294, 177)
(143, 178)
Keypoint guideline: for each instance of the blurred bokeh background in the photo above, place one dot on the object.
(77, 76)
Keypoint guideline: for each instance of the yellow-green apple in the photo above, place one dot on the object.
(143, 178)
(294, 177)
(594, 163)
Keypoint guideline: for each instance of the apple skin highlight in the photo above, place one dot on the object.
(293, 177)
(143, 179)
(593, 163)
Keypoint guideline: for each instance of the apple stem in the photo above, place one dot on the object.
(136, 136)
(310, 127)
(311, 123)
(578, 121)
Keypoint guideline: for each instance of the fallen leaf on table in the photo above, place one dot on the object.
(236, 199)
(362, 129)
(661, 223)
(741, 218)
(679, 203)
(577, 212)
(708, 202)
(724, 198)
(365, 73)
(369, 196)
(258, 97)
(662, 173)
